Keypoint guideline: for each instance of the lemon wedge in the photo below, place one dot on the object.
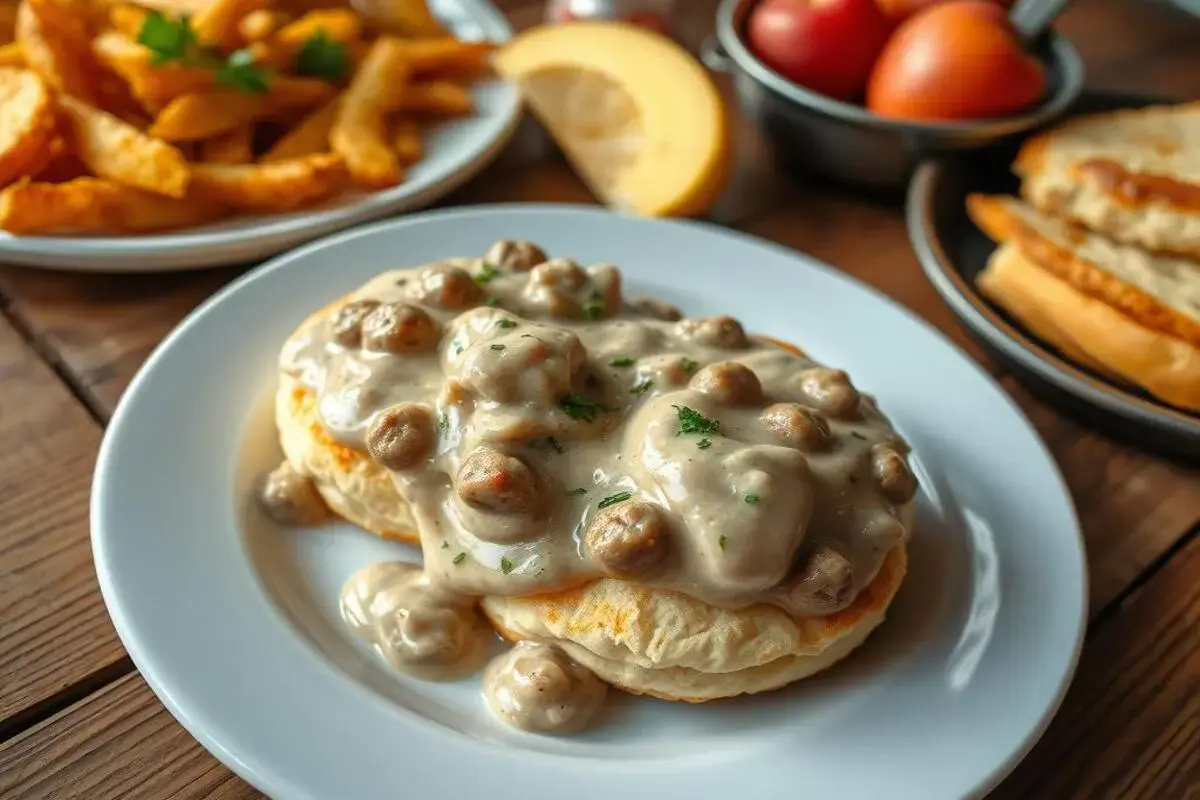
(639, 119)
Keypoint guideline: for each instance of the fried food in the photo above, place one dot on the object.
(359, 133)
(95, 205)
(26, 123)
(280, 186)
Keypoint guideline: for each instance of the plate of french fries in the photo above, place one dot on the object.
(147, 135)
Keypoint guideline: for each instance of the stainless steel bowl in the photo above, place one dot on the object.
(819, 135)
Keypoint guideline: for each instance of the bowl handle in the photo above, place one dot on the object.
(714, 56)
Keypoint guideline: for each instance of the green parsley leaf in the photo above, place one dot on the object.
(486, 274)
(497, 347)
(704, 443)
(506, 566)
(689, 365)
(443, 422)
(593, 307)
(613, 499)
(445, 545)
(322, 57)
(577, 492)
(623, 361)
(752, 498)
(505, 323)
(692, 421)
(167, 40)
(242, 73)
(492, 302)
(721, 541)
(582, 408)
(642, 387)
(858, 435)
(458, 559)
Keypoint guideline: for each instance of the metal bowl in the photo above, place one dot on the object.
(819, 135)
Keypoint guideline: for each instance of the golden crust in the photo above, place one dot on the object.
(999, 219)
(1091, 331)
(671, 646)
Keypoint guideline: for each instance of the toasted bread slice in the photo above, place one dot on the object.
(1133, 175)
(1091, 332)
(1161, 293)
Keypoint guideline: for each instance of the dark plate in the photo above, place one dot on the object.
(952, 251)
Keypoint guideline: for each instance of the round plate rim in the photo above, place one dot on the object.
(268, 777)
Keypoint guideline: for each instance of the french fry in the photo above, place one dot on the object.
(445, 54)
(95, 205)
(338, 24)
(8, 21)
(191, 117)
(152, 85)
(56, 47)
(258, 26)
(62, 166)
(406, 140)
(309, 136)
(27, 123)
(217, 23)
(173, 8)
(231, 147)
(113, 149)
(127, 20)
(280, 186)
(359, 133)
(433, 97)
(11, 55)
(406, 18)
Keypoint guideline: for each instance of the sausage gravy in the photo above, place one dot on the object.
(547, 431)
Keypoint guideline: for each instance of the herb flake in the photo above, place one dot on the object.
(443, 422)
(692, 421)
(721, 541)
(704, 443)
(622, 361)
(641, 387)
(613, 499)
(577, 492)
(558, 448)
(323, 57)
(506, 565)
(593, 307)
(689, 365)
(505, 323)
(492, 302)
(486, 274)
(176, 41)
(497, 347)
(458, 559)
(751, 498)
(582, 408)
(445, 545)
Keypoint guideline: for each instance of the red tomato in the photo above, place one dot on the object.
(824, 45)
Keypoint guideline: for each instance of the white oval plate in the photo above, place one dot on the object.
(234, 622)
(455, 152)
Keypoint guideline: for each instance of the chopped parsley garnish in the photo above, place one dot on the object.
(401, 281)
(721, 541)
(692, 421)
(492, 302)
(582, 408)
(704, 443)
(506, 565)
(322, 57)
(622, 361)
(486, 274)
(689, 365)
(458, 559)
(175, 41)
(497, 347)
(613, 499)
(593, 307)
(641, 387)
(443, 421)
(445, 545)
(505, 323)
(558, 448)
(751, 498)
(577, 492)
(858, 435)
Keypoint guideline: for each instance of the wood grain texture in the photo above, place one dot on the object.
(118, 744)
(1130, 725)
(53, 627)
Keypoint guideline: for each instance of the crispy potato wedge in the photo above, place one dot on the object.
(359, 133)
(281, 186)
(153, 86)
(433, 97)
(217, 23)
(258, 26)
(12, 55)
(8, 21)
(62, 166)
(96, 205)
(232, 147)
(406, 140)
(27, 123)
(191, 117)
(309, 136)
(116, 150)
(56, 47)
(338, 24)
(446, 54)
(127, 20)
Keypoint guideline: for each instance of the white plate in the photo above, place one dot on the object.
(234, 623)
(455, 152)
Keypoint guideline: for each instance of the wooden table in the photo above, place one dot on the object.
(77, 721)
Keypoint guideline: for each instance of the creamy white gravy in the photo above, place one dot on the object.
(546, 431)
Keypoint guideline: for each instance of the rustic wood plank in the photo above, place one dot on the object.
(1129, 725)
(117, 744)
(1132, 506)
(55, 630)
